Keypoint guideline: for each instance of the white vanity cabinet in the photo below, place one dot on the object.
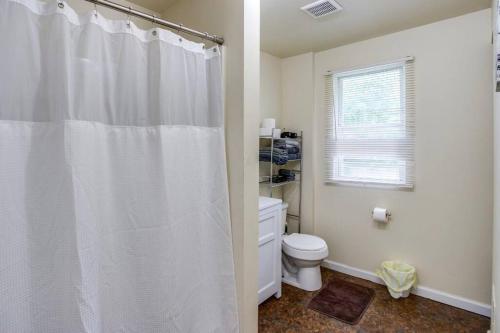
(269, 248)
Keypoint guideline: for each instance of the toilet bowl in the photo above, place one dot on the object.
(301, 258)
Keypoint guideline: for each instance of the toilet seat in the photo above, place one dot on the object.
(305, 247)
(304, 242)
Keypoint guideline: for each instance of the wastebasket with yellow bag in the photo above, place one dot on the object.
(398, 276)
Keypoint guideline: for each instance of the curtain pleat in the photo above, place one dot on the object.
(114, 200)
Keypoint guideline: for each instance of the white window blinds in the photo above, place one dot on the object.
(371, 125)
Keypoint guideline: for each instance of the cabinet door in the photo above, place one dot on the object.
(269, 258)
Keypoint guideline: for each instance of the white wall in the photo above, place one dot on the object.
(238, 21)
(444, 226)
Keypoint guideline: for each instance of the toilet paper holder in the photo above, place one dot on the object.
(382, 215)
(388, 213)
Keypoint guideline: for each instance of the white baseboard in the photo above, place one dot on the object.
(435, 295)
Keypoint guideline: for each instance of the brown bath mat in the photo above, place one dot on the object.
(343, 300)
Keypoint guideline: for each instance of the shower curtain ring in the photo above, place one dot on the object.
(128, 16)
(203, 40)
(154, 30)
(95, 9)
(179, 28)
(60, 4)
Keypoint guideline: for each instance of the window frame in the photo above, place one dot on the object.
(338, 160)
(365, 71)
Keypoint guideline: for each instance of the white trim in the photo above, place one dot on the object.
(355, 183)
(426, 292)
(361, 67)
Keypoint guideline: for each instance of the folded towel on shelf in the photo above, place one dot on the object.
(286, 143)
(279, 156)
(276, 159)
(287, 175)
(290, 142)
(289, 135)
(278, 179)
(286, 172)
(291, 148)
(297, 156)
(276, 151)
(282, 153)
(282, 179)
(281, 144)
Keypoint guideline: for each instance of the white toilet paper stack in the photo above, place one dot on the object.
(268, 123)
(268, 127)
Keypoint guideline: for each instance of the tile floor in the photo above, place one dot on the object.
(414, 314)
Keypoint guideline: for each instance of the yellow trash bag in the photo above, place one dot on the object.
(398, 276)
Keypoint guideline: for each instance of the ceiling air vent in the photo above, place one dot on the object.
(322, 8)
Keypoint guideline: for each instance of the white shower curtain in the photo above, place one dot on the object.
(113, 187)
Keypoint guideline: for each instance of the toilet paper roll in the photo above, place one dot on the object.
(266, 131)
(269, 123)
(380, 215)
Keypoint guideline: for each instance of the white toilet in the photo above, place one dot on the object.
(301, 259)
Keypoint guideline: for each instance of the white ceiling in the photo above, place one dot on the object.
(287, 31)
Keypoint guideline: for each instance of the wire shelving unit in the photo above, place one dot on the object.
(290, 165)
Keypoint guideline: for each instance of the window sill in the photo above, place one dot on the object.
(384, 186)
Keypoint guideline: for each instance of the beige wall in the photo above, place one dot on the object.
(298, 105)
(496, 232)
(285, 77)
(444, 226)
(270, 87)
(270, 105)
(238, 22)
(495, 318)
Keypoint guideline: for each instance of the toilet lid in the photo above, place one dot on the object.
(304, 242)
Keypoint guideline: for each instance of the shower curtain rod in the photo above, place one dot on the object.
(179, 27)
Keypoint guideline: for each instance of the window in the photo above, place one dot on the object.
(371, 125)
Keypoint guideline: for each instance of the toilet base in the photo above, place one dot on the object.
(306, 278)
